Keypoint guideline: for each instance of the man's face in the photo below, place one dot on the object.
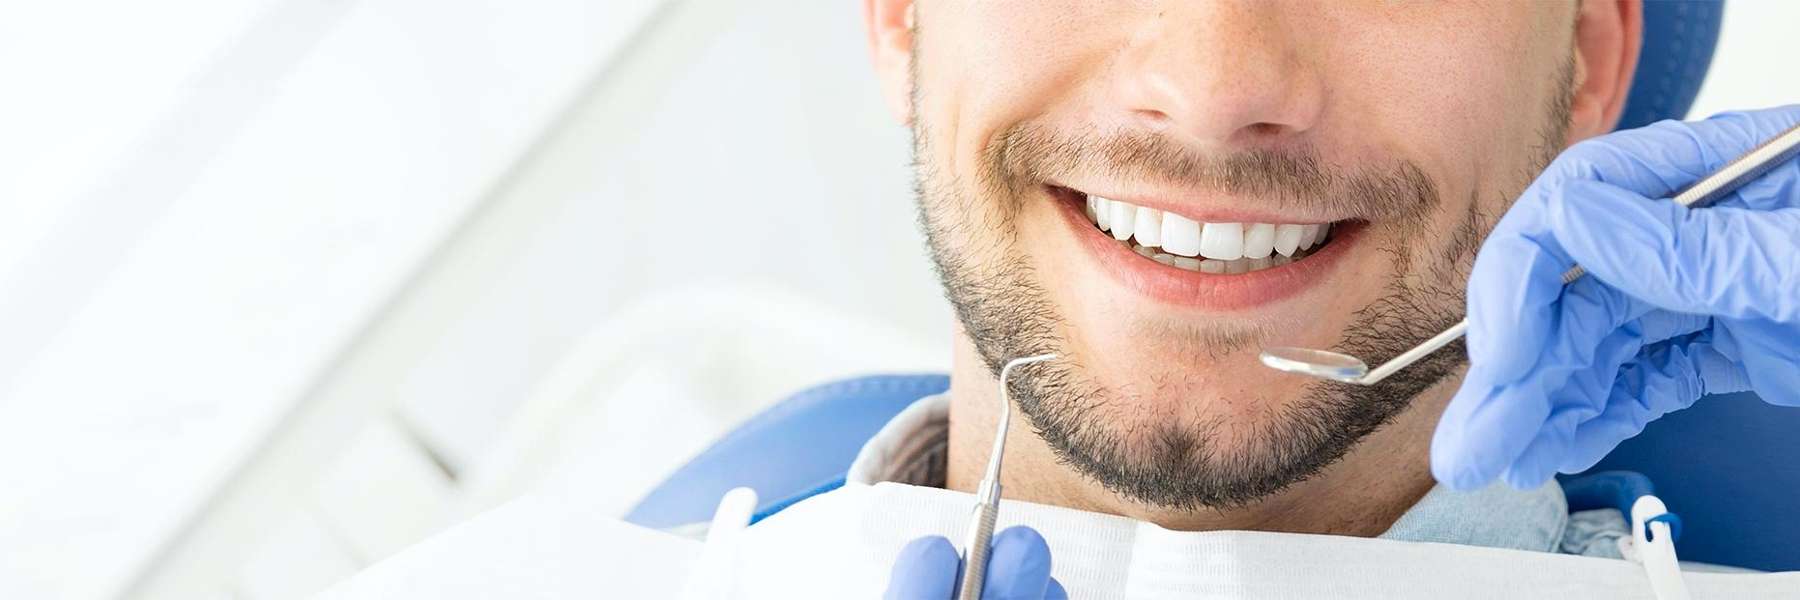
(1314, 174)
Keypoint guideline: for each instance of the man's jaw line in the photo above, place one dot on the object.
(1313, 504)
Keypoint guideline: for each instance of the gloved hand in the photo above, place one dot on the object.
(1018, 569)
(1678, 302)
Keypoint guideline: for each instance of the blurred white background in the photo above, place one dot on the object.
(286, 285)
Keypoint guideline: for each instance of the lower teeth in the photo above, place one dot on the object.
(1223, 267)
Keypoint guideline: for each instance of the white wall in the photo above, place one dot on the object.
(1753, 63)
(738, 142)
(181, 294)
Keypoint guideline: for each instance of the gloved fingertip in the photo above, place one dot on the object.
(1055, 591)
(1481, 432)
(1019, 566)
(1025, 537)
(1459, 476)
(924, 568)
(1577, 463)
(1526, 476)
(931, 548)
(1451, 466)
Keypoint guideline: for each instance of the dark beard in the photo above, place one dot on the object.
(1007, 314)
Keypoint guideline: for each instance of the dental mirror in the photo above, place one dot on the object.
(1335, 366)
(1322, 364)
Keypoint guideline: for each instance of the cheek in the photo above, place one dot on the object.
(985, 64)
(1463, 91)
(1459, 88)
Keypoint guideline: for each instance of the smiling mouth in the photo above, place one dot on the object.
(1216, 248)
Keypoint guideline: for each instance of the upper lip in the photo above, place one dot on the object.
(1200, 205)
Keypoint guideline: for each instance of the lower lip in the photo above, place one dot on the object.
(1208, 291)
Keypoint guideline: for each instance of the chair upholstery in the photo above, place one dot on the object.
(1728, 465)
(800, 444)
(1679, 38)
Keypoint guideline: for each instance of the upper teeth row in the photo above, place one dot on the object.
(1182, 236)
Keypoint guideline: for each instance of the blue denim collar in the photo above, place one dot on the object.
(911, 449)
(1496, 516)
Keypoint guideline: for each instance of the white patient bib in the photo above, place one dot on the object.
(842, 544)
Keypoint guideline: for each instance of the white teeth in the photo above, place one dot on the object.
(1259, 240)
(1180, 235)
(1124, 218)
(1148, 228)
(1287, 238)
(1207, 265)
(1219, 248)
(1308, 233)
(1222, 241)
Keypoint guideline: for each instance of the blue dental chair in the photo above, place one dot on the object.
(1729, 466)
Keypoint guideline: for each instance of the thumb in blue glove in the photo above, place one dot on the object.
(1018, 569)
(1678, 302)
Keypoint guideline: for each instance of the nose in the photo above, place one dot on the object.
(1220, 74)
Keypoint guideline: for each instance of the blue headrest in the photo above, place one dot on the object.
(1678, 46)
(1726, 465)
(802, 443)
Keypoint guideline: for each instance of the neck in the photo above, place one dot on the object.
(1362, 494)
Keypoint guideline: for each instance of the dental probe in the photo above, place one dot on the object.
(987, 495)
(1325, 364)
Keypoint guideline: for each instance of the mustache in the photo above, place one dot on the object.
(1025, 154)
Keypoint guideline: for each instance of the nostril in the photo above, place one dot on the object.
(1155, 119)
(1265, 129)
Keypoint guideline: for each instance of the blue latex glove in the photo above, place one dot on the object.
(1018, 569)
(1678, 302)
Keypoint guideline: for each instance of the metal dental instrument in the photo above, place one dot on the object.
(987, 496)
(1335, 366)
